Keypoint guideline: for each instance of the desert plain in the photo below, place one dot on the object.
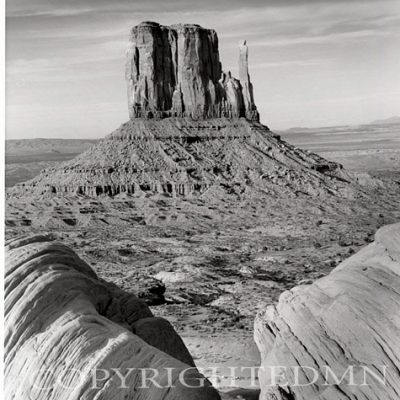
(209, 263)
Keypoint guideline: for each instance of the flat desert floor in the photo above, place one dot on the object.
(210, 274)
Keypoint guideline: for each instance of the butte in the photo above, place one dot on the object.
(193, 129)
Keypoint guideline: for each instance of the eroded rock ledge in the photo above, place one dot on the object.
(62, 322)
(348, 318)
(183, 157)
(175, 71)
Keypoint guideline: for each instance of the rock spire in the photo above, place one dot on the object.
(175, 71)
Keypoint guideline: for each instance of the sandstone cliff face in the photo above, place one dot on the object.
(349, 318)
(176, 71)
(62, 323)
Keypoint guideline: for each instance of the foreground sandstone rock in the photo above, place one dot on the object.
(175, 71)
(62, 323)
(349, 318)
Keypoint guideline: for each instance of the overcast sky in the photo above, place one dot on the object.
(312, 62)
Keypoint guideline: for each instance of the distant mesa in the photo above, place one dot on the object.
(175, 71)
(387, 121)
(40, 146)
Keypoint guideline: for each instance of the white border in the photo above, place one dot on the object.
(2, 180)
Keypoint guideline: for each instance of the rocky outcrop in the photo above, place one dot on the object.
(345, 325)
(67, 332)
(175, 71)
(212, 138)
(181, 157)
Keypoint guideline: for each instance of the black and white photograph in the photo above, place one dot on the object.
(201, 200)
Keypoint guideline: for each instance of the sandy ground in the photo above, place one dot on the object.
(210, 268)
(207, 274)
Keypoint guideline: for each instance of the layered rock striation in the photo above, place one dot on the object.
(337, 339)
(67, 333)
(175, 71)
(181, 157)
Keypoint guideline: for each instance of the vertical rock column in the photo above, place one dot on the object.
(247, 88)
(150, 72)
(198, 69)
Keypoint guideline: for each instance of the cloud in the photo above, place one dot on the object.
(61, 12)
(275, 19)
(20, 67)
(59, 7)
(100, 60)
(343, 37)
(290, 63)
